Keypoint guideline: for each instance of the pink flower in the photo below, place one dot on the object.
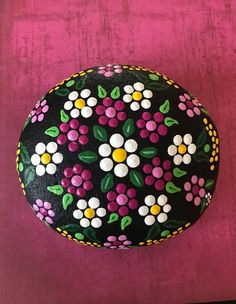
(37, 114)
(158, 173)
(43, 211)
(109, 69)
(195, 190)
(122, 200)
(74, 133)
(152, 127)
(121, 242)
(191, 106)
(111, 114)
(77, 180)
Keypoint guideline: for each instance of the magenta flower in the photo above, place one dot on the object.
(122, 200)
(191, 106)
(109, 69)
(77, 180)
(74, 133)
(43, 211)
(37, 114)
(110, 113)
(158, 173)
(152, 127)
(195, 190)
(120, 243)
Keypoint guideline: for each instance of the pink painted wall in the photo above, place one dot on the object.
(42, 42)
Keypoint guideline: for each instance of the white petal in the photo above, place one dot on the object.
(147, 94)
(188, 139)
(104, 150)
(162, 199)
(178, 159)
(96, 222)
(78, 214)
(35, 159)
(186, 159)
(149, 220)
(192, 149)
(57, 158)
(106, 164)
(135, 106)
(127, 98)
(84, 222)
(82, 204)
(116, 140)
(40, 148)
(146, 104)
(85, 93)
(86, 112)
(150, 200)
(162, 217)
(91, 101)
(74, 113)
(68, 105)
(133, 161)
(131, 145)
(51, 147)
(167, 208)
(101, 212)
(93, 202)
(128, 89)
(172, 150)
(51, 168)
(139, 86)
(121, 170)
(40, 170)
(143, 210)
(73, 95)
(177, 140)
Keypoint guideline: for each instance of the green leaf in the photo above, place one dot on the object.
(128, 127)
(171, 188)
(201, 138)
(57, 189)
(170, 121)
(115, 94)
(204, 111)
(100, 133)
(79, 236)
(80, 83)
(107, 182)
(24, 155)
(165, 233)
(71, 228)
(136, 178)
(157, 86)
(64, 116)
(113, 218)
(153, 232)
(67, 200)
(165, 107)
(29, 175)
(201, 156)
(26, 122)
(62, 92)
(90, 234)
(70, 83)
(88, 157)
(203, 204)
(126, 221)
(102, 93)
(153, 77)
(141, 76)
(209, 184)
(53, 131)
(148, 152)
(178, 172)
(173, 224)
(207, 148)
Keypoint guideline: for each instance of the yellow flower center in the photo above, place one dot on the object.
(155, 209)
(182, 149)
(79, 103)
(89, 213)
(45, 158)
(119, 155)
(137, 96)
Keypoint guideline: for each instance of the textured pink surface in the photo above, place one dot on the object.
(42, 42)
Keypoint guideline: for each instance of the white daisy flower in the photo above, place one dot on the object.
(80, 104)
(119, 154)
(89, 213)
(46, 158)
(155, 209)
(136, 95)
(182, 149)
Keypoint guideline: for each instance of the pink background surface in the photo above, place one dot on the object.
(43, 42)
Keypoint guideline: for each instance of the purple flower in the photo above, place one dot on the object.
(43, 211)
(120, 242)
(37, 114)
(109, 69)
(191, 106)
(195, 190)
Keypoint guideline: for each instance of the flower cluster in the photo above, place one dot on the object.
(191, 106)
(39, 110)
(109, 69)
(120, 242)
(195, 190)
(43, 211)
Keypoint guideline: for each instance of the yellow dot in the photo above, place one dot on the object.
(75, 75)
(69, 236)
(22, 185)
(169, 236)
(137, 95)
(141, 243)
(45, 158)
(169, 82)
(210, 133)
(88, 243)
(187, 225)
(149, 241)
(60, 83)
(213, 153)
(155, 209)
(131, 69)
(217, 150)
(56, 88)
(65, 232)
(182, 149)
(176, 86)
(214, 146)
(79, 103)
(89, 71)
(89, 213)
(205, 121)
(207, 128)
(119, 155)
(125, 66)
(211, 159)
(175, 232)
(155, 241)
(214, 133)
(216, 158)
(217, 140)
(213, 139)
(212, 167)
(18, 152)
(210, 126)
(180, 228)
(58, 229)
(51, 91)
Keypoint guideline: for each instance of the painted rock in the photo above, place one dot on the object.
(118, 156)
